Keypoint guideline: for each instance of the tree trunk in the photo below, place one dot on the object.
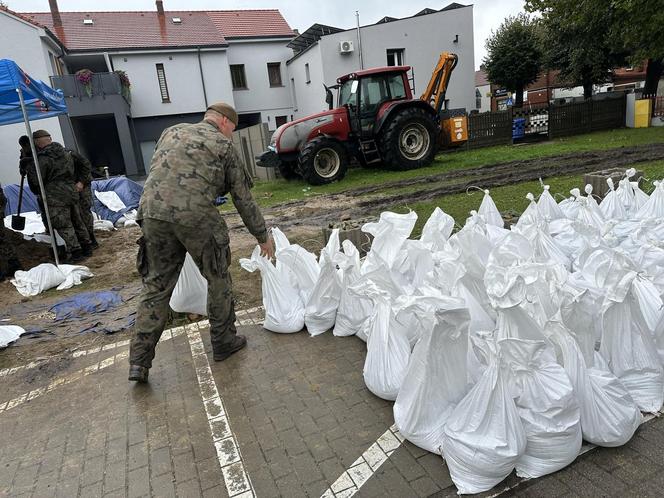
(518, 101)
(587, 89)
(653, 74)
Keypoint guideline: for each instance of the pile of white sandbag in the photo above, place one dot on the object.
(502, 349)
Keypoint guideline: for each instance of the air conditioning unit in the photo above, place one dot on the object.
(346, 47)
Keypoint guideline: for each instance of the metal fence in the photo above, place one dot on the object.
(549, 121)
(658, 107)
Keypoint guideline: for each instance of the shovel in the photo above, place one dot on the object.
(18, 221)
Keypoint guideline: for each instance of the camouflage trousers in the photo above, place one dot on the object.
(161, 253)
(67, 221)
(85, 206)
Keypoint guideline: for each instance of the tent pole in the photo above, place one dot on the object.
(54, 243)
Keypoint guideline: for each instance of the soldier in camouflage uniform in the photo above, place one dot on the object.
(9, 263)
(83, 176)
(57, 170)
(192, 165)
(26, 167)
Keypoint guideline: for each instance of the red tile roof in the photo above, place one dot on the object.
(481, 78)
(251, 23)
(142, 30)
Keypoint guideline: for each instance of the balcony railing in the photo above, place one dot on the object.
(102, 84)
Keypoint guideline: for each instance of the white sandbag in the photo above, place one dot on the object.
(320, 311)
(388, 349)
(284, 310)
(437, 230)
(611, 206)
(609, 415)
(631, 353)
(74, 275)
(38, 279)
(546, 404)
(592, 202)
(489, 211)
(625, 193)
(436, 379)
(570, 206)
(484, 437)
(547, 207)
(390, 233)
(297, 263)
(103, 225)
(190, 293)
(545, 250)
(640, 197)
(531, 216)
(9, 334)
(654, 207)
(588, 215)
(353, 310)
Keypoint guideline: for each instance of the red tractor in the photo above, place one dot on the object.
(377, 120)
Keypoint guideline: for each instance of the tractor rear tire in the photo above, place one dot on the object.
(288, 170)
(409, 140)
(323, 161)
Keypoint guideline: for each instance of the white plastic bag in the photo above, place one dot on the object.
(484, 437)
(353, 310)
(390, 233)
(436, 379)
(9, 334)
(547, 406)
(284, 311)
(297, 263)
(190, 293)
(320, 311)
(489, 211)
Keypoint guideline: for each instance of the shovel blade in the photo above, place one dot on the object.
(18, 222)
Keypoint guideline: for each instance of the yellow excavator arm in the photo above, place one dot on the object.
(440, 78)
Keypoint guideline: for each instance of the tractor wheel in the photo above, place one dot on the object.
(288, 170)
(323, 161)
(409, 140)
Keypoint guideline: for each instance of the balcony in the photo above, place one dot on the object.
(105, 94)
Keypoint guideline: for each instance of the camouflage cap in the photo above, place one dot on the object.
(225, 110)
(40, 134)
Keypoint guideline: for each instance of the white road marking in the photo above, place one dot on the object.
(364, 467)
(228, 451)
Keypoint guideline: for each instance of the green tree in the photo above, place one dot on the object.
(576, 41)
(514, 57)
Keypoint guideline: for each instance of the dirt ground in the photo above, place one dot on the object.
(113, 264)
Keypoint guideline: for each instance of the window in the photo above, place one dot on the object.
(237, 77)
(380, 88)
(163, 87)
(395, 56)
(478, 98)
(307, 76)
(274, 73)
(280, 120)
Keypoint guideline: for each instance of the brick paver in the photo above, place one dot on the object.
(298, 409)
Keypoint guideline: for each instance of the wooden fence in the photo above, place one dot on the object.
(555, 120)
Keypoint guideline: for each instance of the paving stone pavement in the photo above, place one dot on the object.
(297, 407)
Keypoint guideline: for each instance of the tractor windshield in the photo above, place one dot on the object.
(348, 92)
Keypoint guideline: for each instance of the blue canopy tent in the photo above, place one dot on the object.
(23, 98)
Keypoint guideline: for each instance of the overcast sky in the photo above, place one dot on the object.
(300, 14)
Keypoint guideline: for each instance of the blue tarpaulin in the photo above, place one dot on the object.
(85, 303)
(128, 190)
(41, 101)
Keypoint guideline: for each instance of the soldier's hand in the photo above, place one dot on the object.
(267, 249)
(79, 187)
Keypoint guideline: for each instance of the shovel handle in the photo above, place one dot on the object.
(20, 195)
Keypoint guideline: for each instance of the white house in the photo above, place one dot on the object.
(323, 53)
(178, 62)
(36, 51)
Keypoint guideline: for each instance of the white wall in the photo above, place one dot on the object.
(183, 79)
(21, 42)
(423, 38)
(260, 96)
(485, 91)
(310, 96)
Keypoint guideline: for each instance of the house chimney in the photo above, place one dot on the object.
(55, 12)
(160, 7)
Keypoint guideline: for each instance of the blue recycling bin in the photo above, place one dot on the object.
(518, 128)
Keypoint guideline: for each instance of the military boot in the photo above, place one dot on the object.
(219, 354)
(138, 373)
(75, 256)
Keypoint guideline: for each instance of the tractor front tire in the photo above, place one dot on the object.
(288, 170)
(323, 161)
(409, 140)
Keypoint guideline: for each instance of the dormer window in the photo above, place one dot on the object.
(177, 20)
(88, 22)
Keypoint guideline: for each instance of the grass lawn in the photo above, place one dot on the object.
(269, 193)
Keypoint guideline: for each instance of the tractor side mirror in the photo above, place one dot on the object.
(329, 98)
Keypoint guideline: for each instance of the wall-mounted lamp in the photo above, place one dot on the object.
(456, 39)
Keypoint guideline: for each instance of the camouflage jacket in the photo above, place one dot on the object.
(192, 165)
(57, 170)
(27, 167)
(82, 168)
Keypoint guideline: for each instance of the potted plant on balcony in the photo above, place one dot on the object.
(84, 77)
(125, 84)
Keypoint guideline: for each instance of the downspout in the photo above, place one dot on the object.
(200, 69)
(359, 38)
